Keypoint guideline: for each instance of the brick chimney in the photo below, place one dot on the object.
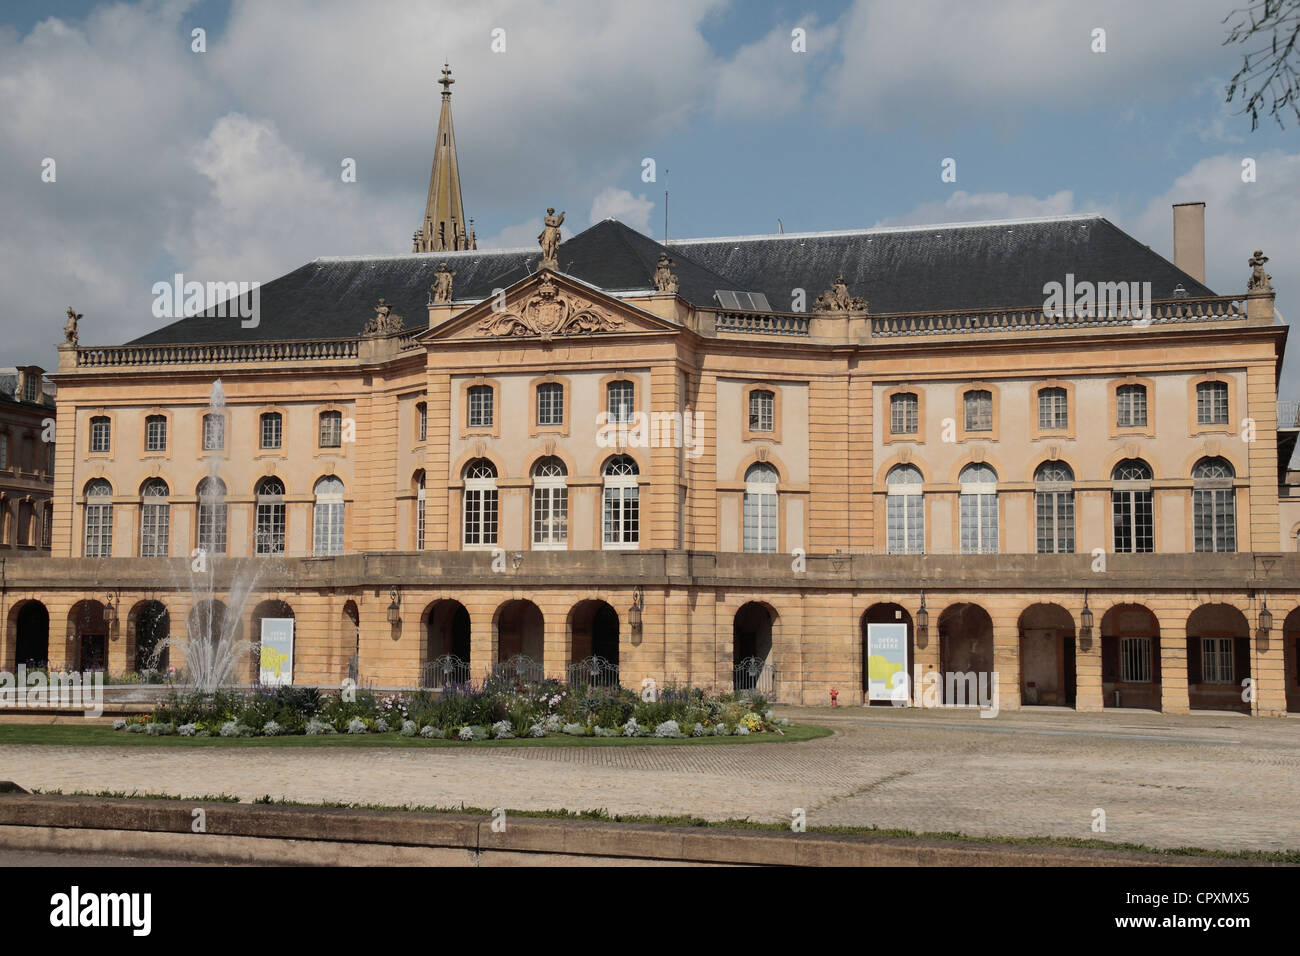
(1189, 239)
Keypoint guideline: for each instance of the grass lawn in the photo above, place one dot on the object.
(65, 735)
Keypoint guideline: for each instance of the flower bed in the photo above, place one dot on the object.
(500, 709)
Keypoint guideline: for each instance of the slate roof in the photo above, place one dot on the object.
(913, 269)
(941, 268)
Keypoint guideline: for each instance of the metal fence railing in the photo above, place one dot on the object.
(753, 675)
(592, 672)
(444, 670)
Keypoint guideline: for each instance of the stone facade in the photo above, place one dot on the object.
(26, 463)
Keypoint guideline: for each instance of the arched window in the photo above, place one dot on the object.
(155, 515)
(99, 519)
(905, 510)
(622, 515)
(1054, 507)
(1130, 505)
(212, 515)
(270, 517)
(619, 397)
(480, 504)
(979, 509)
(327, 533)
(420, 500)
(550, 504)
(331, 429)
(1214, 506)
(760, 508)
(214, 432)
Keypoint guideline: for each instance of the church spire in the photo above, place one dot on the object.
(444, 226)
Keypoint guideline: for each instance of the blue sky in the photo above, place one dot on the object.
(226, 163)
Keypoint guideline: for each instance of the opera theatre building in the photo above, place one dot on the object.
(1050, 455)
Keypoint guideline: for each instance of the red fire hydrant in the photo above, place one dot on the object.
(835, 696)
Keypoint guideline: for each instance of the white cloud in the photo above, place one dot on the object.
(613, 203)
(936, 59)
(768, 79)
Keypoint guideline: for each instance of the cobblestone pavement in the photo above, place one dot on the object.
(1208, 780)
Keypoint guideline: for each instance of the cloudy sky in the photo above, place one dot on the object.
(225, 164)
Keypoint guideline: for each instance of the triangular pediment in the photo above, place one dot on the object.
(544, 306)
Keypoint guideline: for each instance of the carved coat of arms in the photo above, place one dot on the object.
(549, 313)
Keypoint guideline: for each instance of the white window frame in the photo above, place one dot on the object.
(620, 508)
(482, 406)
(482, 503)
(762, 503)
(983, 496)
(98, 532)
(328, 518)
(549, 517)
(155, 521)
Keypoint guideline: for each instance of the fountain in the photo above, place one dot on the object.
(211, 651)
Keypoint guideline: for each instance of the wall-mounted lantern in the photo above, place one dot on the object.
(1265, 625)
(394, 608)
(634, 612)
(517, 559)
(922, 623)
(1085, 624)
(110, 611)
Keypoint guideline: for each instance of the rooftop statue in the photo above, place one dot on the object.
(442, 277)
(70, 329)
(837, 299)
(1259, 280)
(384, 322)
(550, 240)
(664, 280)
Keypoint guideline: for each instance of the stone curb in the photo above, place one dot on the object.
(334, 836)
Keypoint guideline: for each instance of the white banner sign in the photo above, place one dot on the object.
(887, 662)
(277, 651)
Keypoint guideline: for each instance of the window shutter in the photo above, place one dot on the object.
(1110, 659)
(1195, 667)
(1240, 659)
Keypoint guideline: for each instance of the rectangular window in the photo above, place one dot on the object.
(47, 528)
(99, 531)
(1054, 512)
(904, 415)
(550, 404)
(271, 430)
(101, 434)
(327, 535)
(1212, 403)
(480, 406)
(154, 532)
(331, 429)
(622, 515)
(1135, 660)
(1214, 517)
(619, 396)
(904, 516)
(1216, 660)
(979, 523)
(4, 452)
(760, 523)
(422, 422)
(214, 432)
(550, 515)
(761, 404)
(32, 385)
(155, 433)
(1131, 406)
(979, 411)
(1053, 414)
(480, 516)
(270, 528)
(1134, 526)
(212, 526)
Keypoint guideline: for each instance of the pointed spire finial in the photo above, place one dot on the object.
(446, 80)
